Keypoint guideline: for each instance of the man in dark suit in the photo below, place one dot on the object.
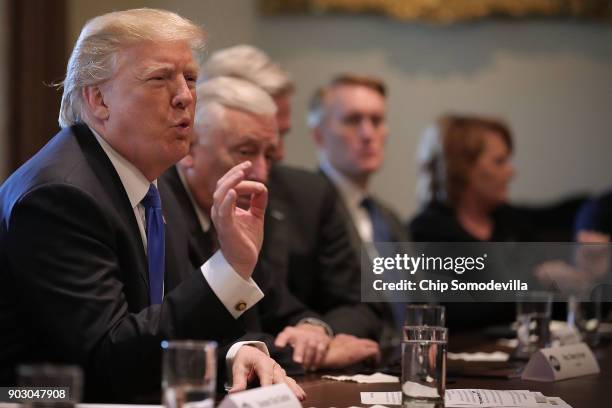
(306, 241)
(235, 122)
(92, 273)
(348, 122)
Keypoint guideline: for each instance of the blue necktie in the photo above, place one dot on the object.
(155, 244)
(382, 233)
(380, 226)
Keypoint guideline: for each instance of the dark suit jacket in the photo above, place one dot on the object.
(389, 333)
(279, 308)
(74, 279)
(307, 244)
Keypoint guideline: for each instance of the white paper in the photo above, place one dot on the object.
(480, 356)
(416, 390)
(272, 396)
(489, 398)
(117, 406)
(469, 398)
(510, 343)
(381, 398)
(364, 379)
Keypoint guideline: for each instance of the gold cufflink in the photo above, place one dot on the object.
(240, 306)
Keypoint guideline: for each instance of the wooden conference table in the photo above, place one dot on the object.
(585, 392)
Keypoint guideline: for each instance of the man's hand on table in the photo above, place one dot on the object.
(346, 350)
(310, 343)
(251, 363)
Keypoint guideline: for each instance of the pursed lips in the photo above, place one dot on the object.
(183, 127)
(184, 123)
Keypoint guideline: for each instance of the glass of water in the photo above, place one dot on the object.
(189, 373)
(425, 315)
(533, 311)
(424, 366)
(63, 385)
(585, 317)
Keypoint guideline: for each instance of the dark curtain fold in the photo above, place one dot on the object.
(37, 58)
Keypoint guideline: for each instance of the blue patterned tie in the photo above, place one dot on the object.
(155, 244)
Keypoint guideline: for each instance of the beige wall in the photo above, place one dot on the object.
(3, 91)
(551, 80)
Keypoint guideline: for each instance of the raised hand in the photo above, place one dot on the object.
(239, 231)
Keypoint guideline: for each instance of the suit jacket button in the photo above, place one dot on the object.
(240, 306)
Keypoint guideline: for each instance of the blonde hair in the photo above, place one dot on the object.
(93, 58)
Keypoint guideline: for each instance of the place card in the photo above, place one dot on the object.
(272, 396)
(559, 363)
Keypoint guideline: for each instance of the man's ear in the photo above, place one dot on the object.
(94, 99)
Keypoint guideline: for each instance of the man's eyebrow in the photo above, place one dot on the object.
(247, 139)
(151, 68)
(192, 69)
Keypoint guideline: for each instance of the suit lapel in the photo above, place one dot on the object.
(198, 243)
(354, 236)
(274, 255)
(111, 183)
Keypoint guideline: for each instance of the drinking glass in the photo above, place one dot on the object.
(585, 317)
(189, 373)
(425, 315)
(424, 366)
(50, 385)
(533, 311)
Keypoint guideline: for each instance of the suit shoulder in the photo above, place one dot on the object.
(60, 166)
(296, 181)
(282, 172)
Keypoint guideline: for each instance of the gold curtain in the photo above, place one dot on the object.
(447, 11)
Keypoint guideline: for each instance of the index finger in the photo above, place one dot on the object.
(230, 180)
(265, 371)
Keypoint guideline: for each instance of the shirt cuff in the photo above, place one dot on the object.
(231, 353)
(236, 293)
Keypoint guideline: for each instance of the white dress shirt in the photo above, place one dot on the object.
(236, 293)
(231, 289)
(205, 222)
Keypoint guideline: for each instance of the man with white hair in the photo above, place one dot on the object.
(312, 242)
(235, 122)
(253, 65)
(92, 272)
